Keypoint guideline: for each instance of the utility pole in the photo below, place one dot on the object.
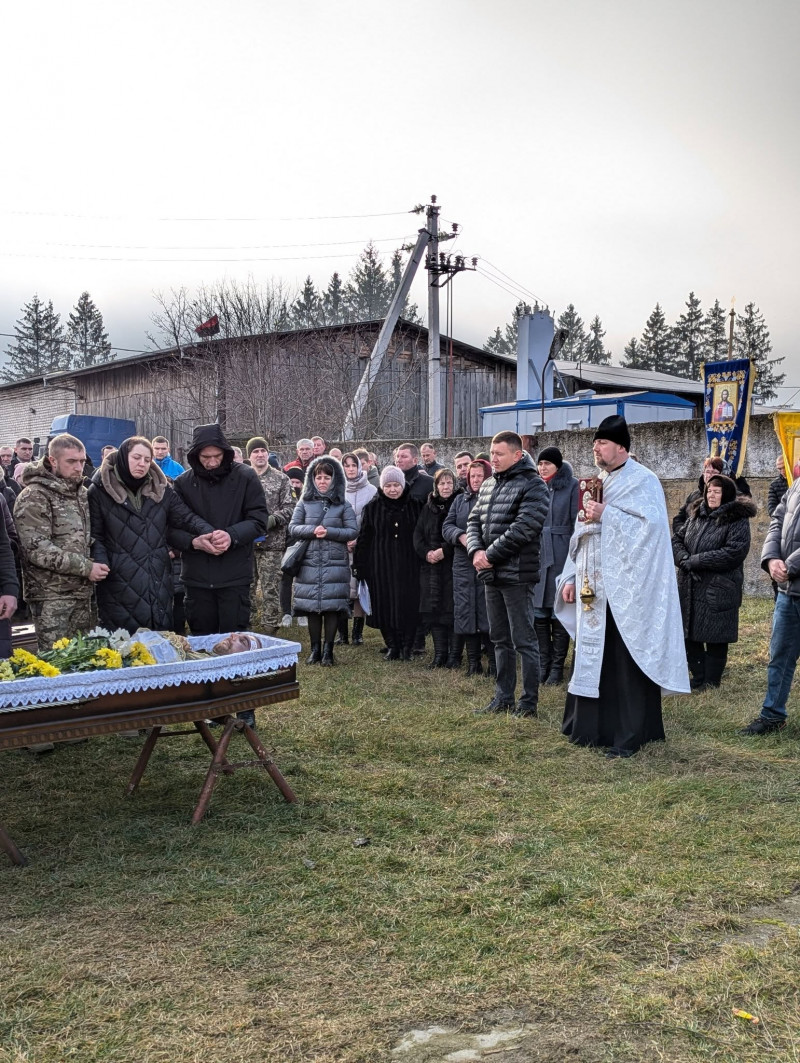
(434, 360)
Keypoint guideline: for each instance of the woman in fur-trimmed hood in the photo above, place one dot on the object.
(322, 586)
(709, 550)
(131, 507)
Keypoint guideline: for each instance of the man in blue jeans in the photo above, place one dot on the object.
(503, 533)
(780, 557)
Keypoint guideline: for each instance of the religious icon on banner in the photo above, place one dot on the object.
(590, 489)
(725, 401)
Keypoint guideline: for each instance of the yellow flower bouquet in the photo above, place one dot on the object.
(98, 650)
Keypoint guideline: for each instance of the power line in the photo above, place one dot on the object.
(226, 247)
(209, 261)
(516, 284)
(499, 284)
(129, 217)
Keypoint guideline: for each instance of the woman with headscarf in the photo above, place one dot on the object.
(436, 567)
(322, 586)
(709, 550)
(358, 491)
(470, 620)
(131, 507)
(552, 637)
(385, 557)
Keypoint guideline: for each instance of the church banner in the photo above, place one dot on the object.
(787, 429)
(728, 391)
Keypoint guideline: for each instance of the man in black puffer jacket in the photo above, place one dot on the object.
(229, 496)
(503, 533)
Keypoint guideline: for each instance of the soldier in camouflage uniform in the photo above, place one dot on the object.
(269, 550)
(52, 518)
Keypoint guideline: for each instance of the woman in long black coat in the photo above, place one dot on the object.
(470, 619)
(131, 508)
(709, 550)
(436, 568)
(559, 524)
(385, 557)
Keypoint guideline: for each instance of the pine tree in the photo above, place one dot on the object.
(751, 340)
(689, 340)
(504, 341)
(715, 334)
(87, 340)
(574, 350)
(408, 311)
(307, 309)
(334, 311)
(595, 350)
(657, 343)
(40, 347)
(633, 356)
(369, 288)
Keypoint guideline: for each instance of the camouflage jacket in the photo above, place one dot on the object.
(52, 518)
(280, 506)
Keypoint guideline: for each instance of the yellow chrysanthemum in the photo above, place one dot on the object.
(140, 655)
(61, 644)
(106, 658)
(37, 667)
(20, 656)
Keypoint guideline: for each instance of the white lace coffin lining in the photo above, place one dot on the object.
(38, 690)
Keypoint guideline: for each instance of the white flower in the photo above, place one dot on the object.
(99, 633)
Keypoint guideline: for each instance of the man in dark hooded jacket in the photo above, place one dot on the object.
(229, 496)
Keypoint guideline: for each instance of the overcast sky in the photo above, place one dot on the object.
(608, 154)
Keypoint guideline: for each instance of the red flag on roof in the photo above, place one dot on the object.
(208, 328)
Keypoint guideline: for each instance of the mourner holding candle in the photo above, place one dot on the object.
(627, 623)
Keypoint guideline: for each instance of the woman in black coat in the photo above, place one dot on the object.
(131, 508)
(470, 619)
(385, 557)
(559, 524)
(436, 568)
(709, 550)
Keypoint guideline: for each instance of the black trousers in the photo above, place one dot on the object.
(217, 610)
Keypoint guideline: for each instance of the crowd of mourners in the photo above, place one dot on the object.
(482, 559)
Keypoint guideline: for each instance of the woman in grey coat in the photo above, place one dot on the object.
(322, 586)
(558, 526)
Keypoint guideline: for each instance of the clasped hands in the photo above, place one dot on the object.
(215, 542)
(434, 556)
(778, 570)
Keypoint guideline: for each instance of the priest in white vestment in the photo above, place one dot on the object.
(629, 646)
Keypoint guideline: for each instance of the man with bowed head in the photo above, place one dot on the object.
(503, 533)
(267, 573)
(217, 569)
(629, 640)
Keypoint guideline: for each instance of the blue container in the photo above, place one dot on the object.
(94, 432)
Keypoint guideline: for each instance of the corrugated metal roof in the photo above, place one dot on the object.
(616, 376)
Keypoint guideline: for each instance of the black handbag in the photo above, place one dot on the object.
(293, 555)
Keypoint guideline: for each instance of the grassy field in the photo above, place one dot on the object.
(440, 869)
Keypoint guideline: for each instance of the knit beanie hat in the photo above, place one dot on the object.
(392, 475)
(551, 454)
(615, 429)
(254, 443)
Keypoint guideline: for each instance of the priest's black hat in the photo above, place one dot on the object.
(614, 428)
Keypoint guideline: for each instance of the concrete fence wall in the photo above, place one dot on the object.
(673, 450)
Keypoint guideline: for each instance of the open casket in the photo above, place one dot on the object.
(153, 698)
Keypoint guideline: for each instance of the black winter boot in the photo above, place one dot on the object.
(488, 649)
(560, 648)
(316, 653)
(456, 650)
(342, 638)
(358, 631)
(715, 666)
(395, 651)
(541, 626)
(696, 659)
(441, 645)
(327, 656)
(474, 655)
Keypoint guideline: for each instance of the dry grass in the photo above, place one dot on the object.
(508, 876)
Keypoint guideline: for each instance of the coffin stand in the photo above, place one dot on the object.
(187, 703)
